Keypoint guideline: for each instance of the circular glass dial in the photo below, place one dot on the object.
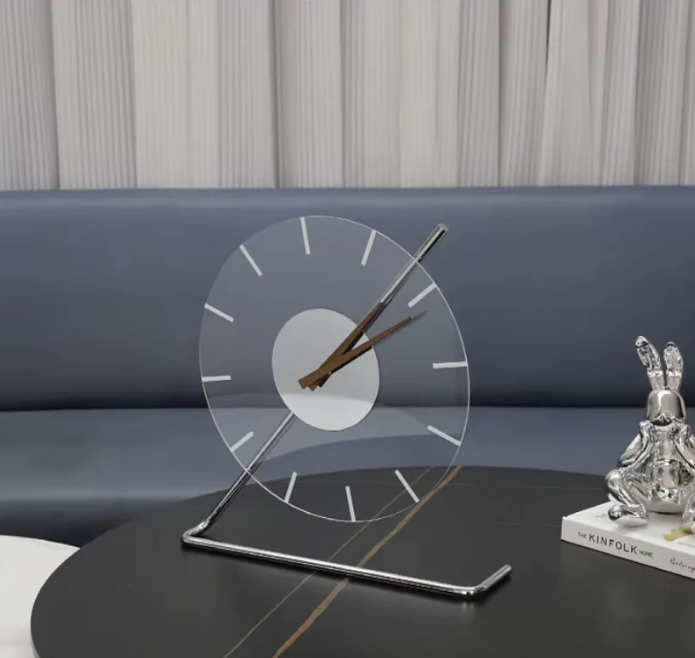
(280, 308)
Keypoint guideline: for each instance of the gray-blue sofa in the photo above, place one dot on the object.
(101, 292)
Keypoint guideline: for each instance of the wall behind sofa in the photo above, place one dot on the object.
(332, 93)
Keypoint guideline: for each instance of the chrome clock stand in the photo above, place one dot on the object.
(194, 537)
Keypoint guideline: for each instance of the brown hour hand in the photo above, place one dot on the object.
(335, 363)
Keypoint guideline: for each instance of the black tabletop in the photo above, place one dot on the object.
(137, 592)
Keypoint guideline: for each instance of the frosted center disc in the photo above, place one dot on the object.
(301, 346)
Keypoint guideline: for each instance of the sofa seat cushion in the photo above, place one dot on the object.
(69, 475)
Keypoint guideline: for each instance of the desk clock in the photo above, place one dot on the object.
(347, 342)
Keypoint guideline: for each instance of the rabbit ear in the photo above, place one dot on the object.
(652, 362)
(674, 366)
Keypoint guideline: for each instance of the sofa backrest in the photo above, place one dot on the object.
(102, 292)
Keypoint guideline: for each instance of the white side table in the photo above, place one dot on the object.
(25, 565)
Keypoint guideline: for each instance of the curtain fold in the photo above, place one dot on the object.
(161, 54)
(310, 98)
(617, 137)
(523, 53)
(688, 142)
(662, 59)
(479, 92)
(246, 42)
(28, 141)
(351, 93)
(567, 137)
(371, 92)
(203, 96)
(94, 93)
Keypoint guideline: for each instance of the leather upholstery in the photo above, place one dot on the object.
(102, 294)
(70, 475)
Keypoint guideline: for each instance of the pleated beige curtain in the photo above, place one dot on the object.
(354, 93)
(620, 93)
(28, 139)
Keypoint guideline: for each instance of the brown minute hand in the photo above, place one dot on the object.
(351, 340)
(334, 364)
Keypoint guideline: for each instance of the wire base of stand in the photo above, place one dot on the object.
(191, 538)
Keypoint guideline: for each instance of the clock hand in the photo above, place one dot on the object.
(418, 257)
(351, 340)
(333, 365)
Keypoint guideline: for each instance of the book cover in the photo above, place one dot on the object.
(660, 544)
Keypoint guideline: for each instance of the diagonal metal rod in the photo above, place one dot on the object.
(244, 476)
(417, 259)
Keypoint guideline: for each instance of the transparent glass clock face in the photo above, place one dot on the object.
(374, 429)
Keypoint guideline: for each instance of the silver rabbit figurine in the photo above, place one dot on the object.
(657, 471)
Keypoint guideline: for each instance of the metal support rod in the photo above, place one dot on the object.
(192, 537)
(244, 476)
(418, 257)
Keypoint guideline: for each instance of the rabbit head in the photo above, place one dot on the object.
(665, 403)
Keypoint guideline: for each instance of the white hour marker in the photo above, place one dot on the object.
(290, 486)
(368, 248)
(305, 236)
(443, 435)
(221, 314)
(251, 261)
(216, 378)
(450, 364)
(241, 441)
(422, 295)
(351, 507)
(407, 486)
